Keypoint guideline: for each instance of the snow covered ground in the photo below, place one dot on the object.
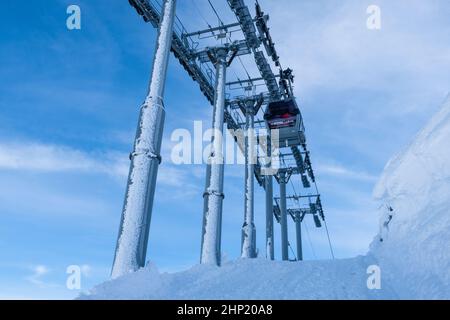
(414, 255)
(249, 279)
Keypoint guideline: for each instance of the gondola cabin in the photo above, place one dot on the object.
(284, 116)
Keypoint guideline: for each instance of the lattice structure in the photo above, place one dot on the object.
(246, 102)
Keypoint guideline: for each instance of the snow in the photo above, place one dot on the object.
(414, 256)
(243, 279)
(415, 253)
(164, 43)
(214, 184)
(142, 177)
(248, 229)
(132, 219)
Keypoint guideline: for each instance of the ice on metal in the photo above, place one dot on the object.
(136, 215)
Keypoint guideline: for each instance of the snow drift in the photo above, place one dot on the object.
(414, 255)
(249, 279)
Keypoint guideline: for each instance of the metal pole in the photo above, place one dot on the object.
(270, 252)
(298, 228)
(248, 249)
(213, 196)
(283, 220)
(134, 228)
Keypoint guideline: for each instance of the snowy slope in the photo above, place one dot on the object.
(249, 279)
(415, 253)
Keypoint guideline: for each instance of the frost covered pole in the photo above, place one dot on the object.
(213, 195)
(269, 207)
(248, 249)
(298, 228)
(137, 210)
(283, 220)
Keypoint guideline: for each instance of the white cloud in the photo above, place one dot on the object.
(39, 271)
(48, 158)
(32, 156)
(344, 172)
(329, 45)
(180, 180)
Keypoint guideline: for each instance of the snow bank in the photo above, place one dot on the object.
(249, 279)
(415, 252)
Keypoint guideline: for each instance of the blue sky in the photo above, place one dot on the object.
(69, 104)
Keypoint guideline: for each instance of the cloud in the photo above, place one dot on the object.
(30, 156)
(331, 46)
(86, 270)
(38, 157)
(40, 274)
(340, 171)
(179, 179)
(39, 271)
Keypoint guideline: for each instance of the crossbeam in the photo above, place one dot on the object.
(249, 81)
(211, 30)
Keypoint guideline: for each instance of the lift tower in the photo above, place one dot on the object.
(134, 228)
(213, 195)
(249, 108)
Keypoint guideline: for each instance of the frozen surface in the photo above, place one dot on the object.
(142, 176)
(214, 184)
(414, 255)
(249, 279)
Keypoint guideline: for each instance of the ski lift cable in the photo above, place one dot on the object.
(292, 250)
(229, 38)
(241, 62)
(329, 240)
(215, 11)
(326, 227)
(239, 58)
(248, 75)
(305, 224)
(243, 66)
(232, 69)
(210, 27)
(203, 17)
(308, 236)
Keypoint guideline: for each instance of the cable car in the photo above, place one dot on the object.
(284, 115)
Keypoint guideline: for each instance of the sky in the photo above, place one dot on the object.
(69, 102)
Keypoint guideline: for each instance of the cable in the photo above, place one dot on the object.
(326, 227)
(243, 66)
(213, 33)
(215, 11)
(309, 240)
(229, 39)
(228, 36)
(305, 224)
(292, 250)
(329, 240)
(203, 17)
